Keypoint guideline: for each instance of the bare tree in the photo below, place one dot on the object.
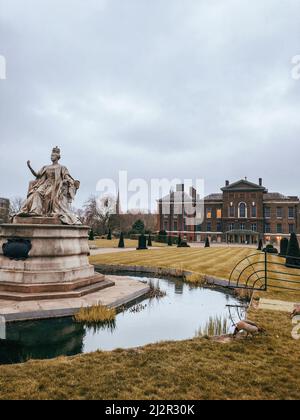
(80, 213)
(99, 213)
(16, 204)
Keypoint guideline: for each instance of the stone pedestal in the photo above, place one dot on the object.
(57, 265)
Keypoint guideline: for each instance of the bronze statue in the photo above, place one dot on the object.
(52, 192)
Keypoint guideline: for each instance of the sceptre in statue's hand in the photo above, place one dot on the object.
(31, 170)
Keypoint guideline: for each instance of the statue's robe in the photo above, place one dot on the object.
(51, 194)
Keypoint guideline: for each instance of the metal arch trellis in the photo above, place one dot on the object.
(257, 273)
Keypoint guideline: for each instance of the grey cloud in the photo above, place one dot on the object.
(167, 88)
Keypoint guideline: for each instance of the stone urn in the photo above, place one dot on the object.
(17, 249)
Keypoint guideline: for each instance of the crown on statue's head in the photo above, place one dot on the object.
(56, 150)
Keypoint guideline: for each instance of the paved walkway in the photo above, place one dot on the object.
(101, 251)
(126, 290)
(277, 305)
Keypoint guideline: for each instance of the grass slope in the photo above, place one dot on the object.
(261, 368)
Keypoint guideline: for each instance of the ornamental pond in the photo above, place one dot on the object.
(181, 314)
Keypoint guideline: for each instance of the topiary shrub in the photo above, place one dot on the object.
(270, 249)
(293, 252)
(149, 241)
(91, 235)
(121, 241)
(207, 244)
(162, 237)
(183, 244)
(179, 241)
(260, 245)
(142, 243)
(284, 244)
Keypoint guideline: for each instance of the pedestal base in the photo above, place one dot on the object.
(57, 265)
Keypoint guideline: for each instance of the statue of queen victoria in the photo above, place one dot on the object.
(52, 192)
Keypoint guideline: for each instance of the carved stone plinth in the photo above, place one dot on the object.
(57, 264)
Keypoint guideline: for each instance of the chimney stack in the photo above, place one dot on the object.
(227, 183)
(260, 182)
(180, 187)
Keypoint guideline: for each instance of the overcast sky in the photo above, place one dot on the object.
(161, 88)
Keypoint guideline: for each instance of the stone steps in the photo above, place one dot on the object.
(36, 288)
(77, 293)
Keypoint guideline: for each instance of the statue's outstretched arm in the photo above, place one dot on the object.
(31, 170)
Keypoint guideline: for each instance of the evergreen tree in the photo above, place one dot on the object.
(121, 241)
(163, 237)
(284, 244)
(207, 244)
(142, 243)
(149, 240)
(260, 245)
(109, 236)
(293, 252)
(138, 228)
(170, 241)
(91, 235)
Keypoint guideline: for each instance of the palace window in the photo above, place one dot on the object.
(242, 226)
(279, 212)
(279, 228)
(291, 213)
(242, 211)
(199, 228)
(267, 228)
(208, 213)
(219, 213)
(231, 226)
(254, 210)
(219, 227)
(254, 227)
(209, 227)
(231, 210)
(175, 226)
(267, 212)
(291, 228)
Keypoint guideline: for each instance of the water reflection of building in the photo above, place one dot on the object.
(41, 340)
(179, 287)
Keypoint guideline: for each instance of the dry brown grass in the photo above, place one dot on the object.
(261, 368)
(217, 262)
(95, 314)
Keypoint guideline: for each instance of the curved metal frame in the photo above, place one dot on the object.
(264, 275)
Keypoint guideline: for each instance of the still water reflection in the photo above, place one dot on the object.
(178, 316)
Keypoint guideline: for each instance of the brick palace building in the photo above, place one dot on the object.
(243, 213)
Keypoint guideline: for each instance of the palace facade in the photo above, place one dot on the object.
(243, 212)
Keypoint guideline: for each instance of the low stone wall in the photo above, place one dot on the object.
(160, 271)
